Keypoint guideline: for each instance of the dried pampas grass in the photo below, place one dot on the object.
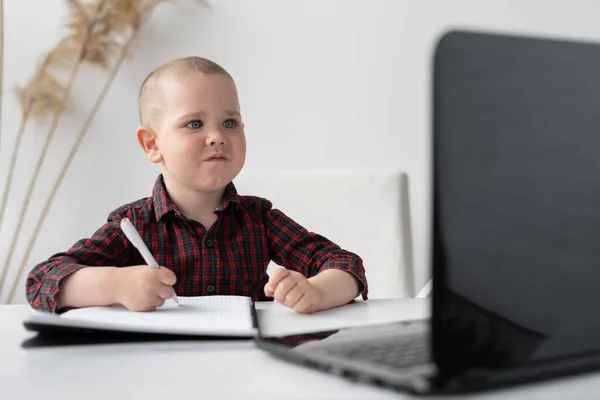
(101, 33)
(1, 63)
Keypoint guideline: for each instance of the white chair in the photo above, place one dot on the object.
(364, 211)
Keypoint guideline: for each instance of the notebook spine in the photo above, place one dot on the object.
(254, 317)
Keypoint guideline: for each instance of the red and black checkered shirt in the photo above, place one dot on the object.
(229, 259)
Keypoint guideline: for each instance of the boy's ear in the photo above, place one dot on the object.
(147, 139)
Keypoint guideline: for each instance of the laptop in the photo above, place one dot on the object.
(515, 228)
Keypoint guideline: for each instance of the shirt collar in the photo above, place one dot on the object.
(164, 205)
(229, 196)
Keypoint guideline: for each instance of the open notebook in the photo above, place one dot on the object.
(215, 316)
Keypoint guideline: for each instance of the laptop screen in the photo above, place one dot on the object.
(516, 238)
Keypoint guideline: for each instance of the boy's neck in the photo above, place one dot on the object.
(195, 205)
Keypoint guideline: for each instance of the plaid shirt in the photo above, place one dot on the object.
(229, 259)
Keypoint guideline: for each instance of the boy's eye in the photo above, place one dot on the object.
(196, 124)
(230, 124)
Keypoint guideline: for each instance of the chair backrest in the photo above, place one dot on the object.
(363, 211)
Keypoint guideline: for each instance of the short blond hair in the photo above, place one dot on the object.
(176, 69)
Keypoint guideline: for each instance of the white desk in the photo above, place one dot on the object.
(184, 370)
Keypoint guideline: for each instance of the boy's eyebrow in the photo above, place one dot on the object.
(187, 116)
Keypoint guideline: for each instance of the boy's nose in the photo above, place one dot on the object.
(215, 138)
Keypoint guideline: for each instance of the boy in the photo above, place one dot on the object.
(207, 239)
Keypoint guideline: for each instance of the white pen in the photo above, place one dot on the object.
(273, 267)
(425, 292)
(137, 241)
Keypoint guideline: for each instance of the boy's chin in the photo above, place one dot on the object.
(212, 183)
(203, 182)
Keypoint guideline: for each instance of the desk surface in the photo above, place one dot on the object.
(176, 370)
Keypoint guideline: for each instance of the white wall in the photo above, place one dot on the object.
(329, 83)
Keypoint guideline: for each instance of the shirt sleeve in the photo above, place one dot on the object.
(106, 247)
(309, 253)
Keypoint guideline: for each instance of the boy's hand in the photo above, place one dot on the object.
(293, 290)
(142, 288)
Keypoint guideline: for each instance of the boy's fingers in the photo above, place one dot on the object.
(305, 305)
(165, 292)
(293, 296)
(284, 288)
(276, 276)
(157, 301)
(166, 276)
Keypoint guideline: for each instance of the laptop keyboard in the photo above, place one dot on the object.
(395, 352)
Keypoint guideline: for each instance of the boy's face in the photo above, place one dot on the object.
(200, 135)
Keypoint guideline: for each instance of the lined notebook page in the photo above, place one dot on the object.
(210, 315)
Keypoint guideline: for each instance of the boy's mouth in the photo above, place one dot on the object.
(216, 157)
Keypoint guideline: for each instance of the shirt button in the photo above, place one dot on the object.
(209, 243)
(210, 288)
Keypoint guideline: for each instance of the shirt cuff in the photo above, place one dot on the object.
(51, 286)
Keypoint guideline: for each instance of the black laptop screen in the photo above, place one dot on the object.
(516, 200)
